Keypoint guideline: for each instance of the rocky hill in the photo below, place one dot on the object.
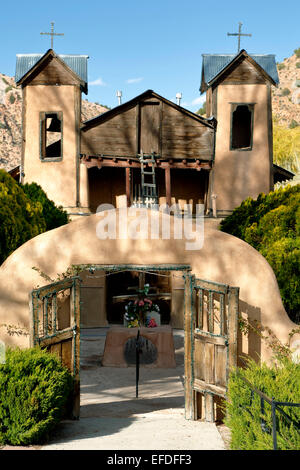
(285, 100)
(286, 97)
(11, 121)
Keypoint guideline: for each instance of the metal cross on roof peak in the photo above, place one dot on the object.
(239, 34)
(52, 33)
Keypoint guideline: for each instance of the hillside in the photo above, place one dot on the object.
(11, 125)
(286, 97)
(285, 101)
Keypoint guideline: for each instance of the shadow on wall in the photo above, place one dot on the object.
(249, 345)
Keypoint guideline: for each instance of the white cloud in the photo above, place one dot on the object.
(98, 82)
(198, 101)
(134, 80)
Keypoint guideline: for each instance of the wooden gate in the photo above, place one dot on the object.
(211, 323)
(55, 326)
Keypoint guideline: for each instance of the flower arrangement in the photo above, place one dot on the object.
(137, 311)
(150, 322)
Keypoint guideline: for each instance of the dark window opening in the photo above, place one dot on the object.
(241, 131)
(51, 135)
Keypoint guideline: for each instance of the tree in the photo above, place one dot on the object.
(271, 224)
(54, 216)
(297, 52)
(286, 146)
(20, 218)
(202, 110)
(25, 212)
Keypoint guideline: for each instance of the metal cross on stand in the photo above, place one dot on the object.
(239, 34)
(137, 363)
(52, 34)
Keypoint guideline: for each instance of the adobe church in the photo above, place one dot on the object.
(143, 152)
(149, 149)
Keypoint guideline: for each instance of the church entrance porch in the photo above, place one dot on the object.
(126, 182)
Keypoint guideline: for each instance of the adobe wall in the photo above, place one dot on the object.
(223, 258)
(239, 174)
(58, 179)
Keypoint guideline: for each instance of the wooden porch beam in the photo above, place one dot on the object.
(117, 163)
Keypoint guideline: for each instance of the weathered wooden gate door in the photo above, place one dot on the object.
(56, 326)
(211, 323)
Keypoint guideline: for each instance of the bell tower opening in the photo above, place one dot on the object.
(51, 135)
(241, 127)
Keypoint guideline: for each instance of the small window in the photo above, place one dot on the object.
(51, 135)
(241, 127)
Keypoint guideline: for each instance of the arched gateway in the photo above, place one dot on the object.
(207, 288)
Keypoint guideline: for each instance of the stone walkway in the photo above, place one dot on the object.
(112, 418)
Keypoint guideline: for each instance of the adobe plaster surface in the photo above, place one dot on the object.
(239, 174)
(223, 258)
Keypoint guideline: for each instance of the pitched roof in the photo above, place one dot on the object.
(147, 94)
(77, 63)
(281, 174)
(214, 64)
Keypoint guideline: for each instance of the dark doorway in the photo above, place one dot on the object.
(121, 286)
(105, 186)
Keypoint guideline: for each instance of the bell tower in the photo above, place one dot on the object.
(238, 96)
(51, 117)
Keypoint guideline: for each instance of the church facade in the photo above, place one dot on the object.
(149, 150)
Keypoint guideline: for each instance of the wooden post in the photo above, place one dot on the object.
(209, 408)
(233, 310)
(214, 205)
(32, 320)
(127, 174)
(75, 323)
(188, 340)
(168, 185)
(206, 193)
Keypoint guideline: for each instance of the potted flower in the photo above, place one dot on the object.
(138, 312)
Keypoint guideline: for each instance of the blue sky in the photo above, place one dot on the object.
(138, 45)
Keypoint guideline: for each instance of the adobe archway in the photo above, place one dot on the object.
(223, 258)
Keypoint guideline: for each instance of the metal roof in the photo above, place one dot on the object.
(213, 64)
(77, 63)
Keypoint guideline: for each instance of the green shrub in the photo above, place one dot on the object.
(285, 92)
(271, 224)
(54, 216)
(12, 98)
(251, 210)
(244, 412)
(293, 124)
(298, 65)
(20, 218)
(34, 392)
(8, 88)
(281, 66)
(297, 52)
(284, 257)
